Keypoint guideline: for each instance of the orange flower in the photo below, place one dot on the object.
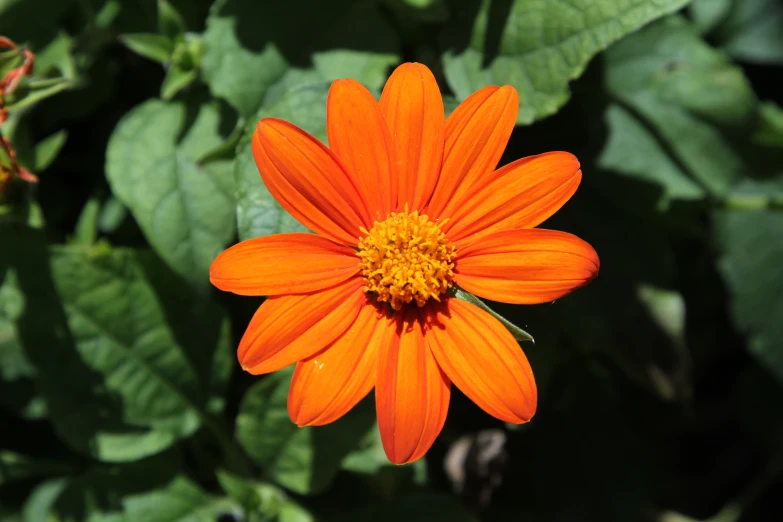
(405, 204)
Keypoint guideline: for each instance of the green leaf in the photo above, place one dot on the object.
(15, 466)
(370, 458)
(752, 245)
(249, 46)
(179, 501)
(17, 389)
(185, 209)
(117, 381)
(97, 493)
(86, 231)
(770, 129)
(39, 504)
(689, 95)
(57, 56)
(175, 80)
(707, 14)
(632, 150)
(132, 355)
(198, 324)
(149, 45)
(31, 92)
(263, 500)
(538, 46)
(170, 22)
(518, 333)
(304, 460)
(113, 213)
(47, 149)
(749, 30)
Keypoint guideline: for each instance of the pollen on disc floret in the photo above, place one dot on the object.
(406, 258)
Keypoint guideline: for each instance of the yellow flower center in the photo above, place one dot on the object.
(405, 258)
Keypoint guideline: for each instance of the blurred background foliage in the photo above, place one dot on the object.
(661, 383)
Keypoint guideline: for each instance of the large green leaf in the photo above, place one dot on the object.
(670, 82)
(122, 339)
(752, 243)
(184, 207)
(538, 46)
(249, 45)
(303, 460)
(117, 383)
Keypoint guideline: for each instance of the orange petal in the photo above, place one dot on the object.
(522, 194)
(413, 108)
(525, 266)
(328, 384)
(283, 264)
(359, 136)
(290, 328)
(308, 180)
(411, 393)
(483, 359)
(476, 135)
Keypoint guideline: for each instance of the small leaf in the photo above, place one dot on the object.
(112, 215)
(176, 79)
(149, 45)
(39, 504)
(57, 56)
(86, 231)
(769, 132)
(31, 92)
(46, 150)
(518, 333)
(170, 22)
